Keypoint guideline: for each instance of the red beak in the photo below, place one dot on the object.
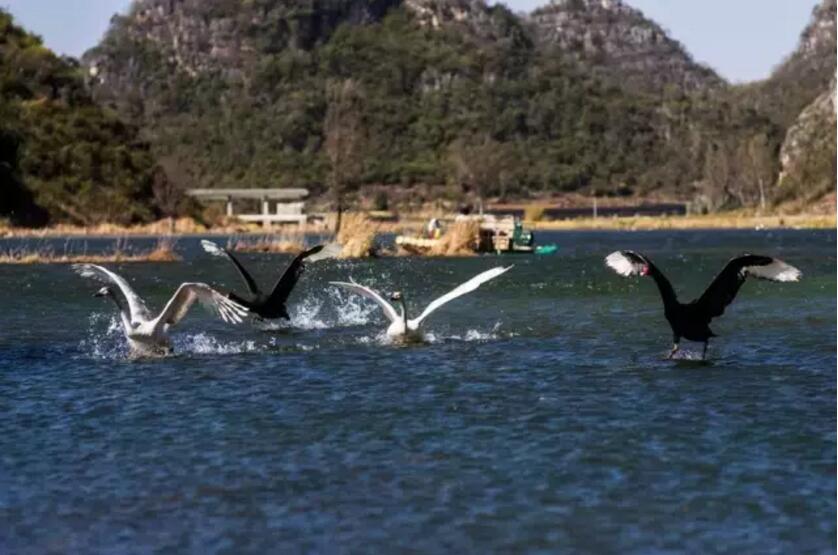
(644, 271)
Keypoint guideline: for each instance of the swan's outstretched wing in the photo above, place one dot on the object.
(329, 250)
(215, 250)
(139, 311)
(285, 284)
(723, 289)
(188, 293)
(466, 287)
(388, 309)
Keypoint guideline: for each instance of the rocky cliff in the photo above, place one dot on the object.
(197, 37)
(619, 42)
(807, 155)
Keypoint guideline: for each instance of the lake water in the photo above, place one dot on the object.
(541, 417)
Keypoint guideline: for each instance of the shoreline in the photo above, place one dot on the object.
(414, 225)
(714, 221)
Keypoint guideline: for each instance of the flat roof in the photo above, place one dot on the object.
(224, 194)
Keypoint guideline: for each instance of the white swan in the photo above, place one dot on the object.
(408, 330)
(148, 335)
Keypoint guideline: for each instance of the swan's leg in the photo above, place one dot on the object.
(704, 352)
(675, 347)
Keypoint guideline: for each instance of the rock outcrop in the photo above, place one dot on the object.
(807, 78)
(807, 156)
(619, 42)
(203, 36)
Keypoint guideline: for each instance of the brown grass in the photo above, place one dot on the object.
(460, 239)
(281, 244)
(534, 212)
(796, 215)
(166, 226)
(357, 235)
(162, 252)
(711, 221)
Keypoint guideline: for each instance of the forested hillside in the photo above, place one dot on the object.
(62, 157)
(455, 95)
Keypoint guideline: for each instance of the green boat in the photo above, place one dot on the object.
(546, 249)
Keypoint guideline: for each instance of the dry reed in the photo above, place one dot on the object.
(534, 212)
(162, 252)
(291, 245)
(460, 239)
(357, 235)
(166, 226)
(710, 221)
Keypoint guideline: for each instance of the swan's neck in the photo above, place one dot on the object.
(403, 309)
(123, 309)
(665, 288)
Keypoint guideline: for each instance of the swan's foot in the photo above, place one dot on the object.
(674, 350)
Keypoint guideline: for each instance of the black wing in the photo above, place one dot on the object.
(723, 290)
(215, 250)
(286, 283)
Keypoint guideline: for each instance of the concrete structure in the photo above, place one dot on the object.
(289, 205)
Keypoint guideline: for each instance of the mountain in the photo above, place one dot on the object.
(800, 97)
(454, 98)
(233, 93)
(803, 75)
(618, 42)
(62, 157)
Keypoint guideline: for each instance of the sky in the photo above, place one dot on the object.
(743, 40)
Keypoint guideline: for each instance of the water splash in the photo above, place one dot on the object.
(686, 355)
(306, 315)
(474, 335)
(105, 338)
(204, 344)
(352, 309)
(340, 309)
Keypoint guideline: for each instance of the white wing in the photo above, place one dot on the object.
(625, 263)
(330, 250)
(388, 309)
(466, 287)
(139, 311)
(188, 293)
(776, 271)
(212, 248)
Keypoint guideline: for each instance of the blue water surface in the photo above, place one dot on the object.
(541, 417)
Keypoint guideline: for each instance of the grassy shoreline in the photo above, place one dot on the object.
(163, 251)
(414, 224)
(712, 221)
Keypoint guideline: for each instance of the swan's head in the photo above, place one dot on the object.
(396, 296)
(103, 292)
